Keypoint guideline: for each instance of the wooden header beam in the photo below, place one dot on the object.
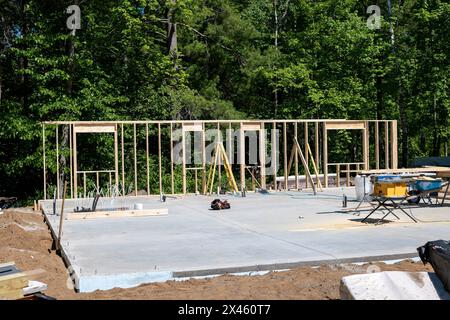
(346, 125)
(94, 128)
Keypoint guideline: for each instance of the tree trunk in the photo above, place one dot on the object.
(404, 126)
(1, 85)
(172, 43)
(23, 61)
(436, 142)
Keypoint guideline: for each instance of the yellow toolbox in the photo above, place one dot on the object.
(390, 188)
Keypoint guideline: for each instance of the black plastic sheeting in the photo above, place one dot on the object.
(431, 161)
(437, 253)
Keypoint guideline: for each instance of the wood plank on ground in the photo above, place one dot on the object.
(12, 282)
(118, 214)
(12, 295)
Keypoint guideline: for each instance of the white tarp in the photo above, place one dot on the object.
(393, 285)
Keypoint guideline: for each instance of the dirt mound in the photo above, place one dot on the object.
(26, 240)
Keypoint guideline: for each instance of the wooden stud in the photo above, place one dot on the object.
(274, 137)
(75, 164)
(147, 159)
(347, 181)
(196, 182)
(70, 161)
(338, 175)
(394, 153)
(58, 190)
(219, 164)
(84, 184)
(43, 160)
(160, 160)
(316, 143)
(123, 160)
(110, 184)
(286, 174)
(230, 144)
(135, 160)
(386, 144)
(203, 160)
(296, 160)
(262, 155)
(365, 147)
(183, 158)
(116, 160)
(306, 147)
(172, 180)
(377, 146)
(242, 155)
(325, 154)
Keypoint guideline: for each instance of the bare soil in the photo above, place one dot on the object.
(26, 240)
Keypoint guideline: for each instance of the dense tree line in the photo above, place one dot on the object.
(209, 59)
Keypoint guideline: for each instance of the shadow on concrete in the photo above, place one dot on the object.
(371, 221)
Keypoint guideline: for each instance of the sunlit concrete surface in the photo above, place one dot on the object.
(260, 232)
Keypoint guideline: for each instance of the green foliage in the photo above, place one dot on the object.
(235, 59)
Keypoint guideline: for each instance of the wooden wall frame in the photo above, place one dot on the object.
(381, 134)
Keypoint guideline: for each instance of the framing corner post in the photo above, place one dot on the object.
(262, 154)
(394, 144)
(325, 154)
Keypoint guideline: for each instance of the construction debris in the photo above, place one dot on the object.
(15, 284)
(6, 202)
(393, 285)
(218, 204)
(437, 253)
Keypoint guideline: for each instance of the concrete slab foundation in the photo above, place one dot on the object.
(260, 232)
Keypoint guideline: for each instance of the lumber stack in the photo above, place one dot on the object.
(15, 284)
